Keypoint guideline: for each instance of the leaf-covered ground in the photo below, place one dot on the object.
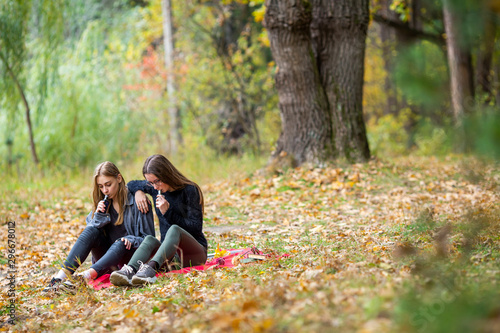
(408, 245)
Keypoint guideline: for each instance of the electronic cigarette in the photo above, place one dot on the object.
(106, 203)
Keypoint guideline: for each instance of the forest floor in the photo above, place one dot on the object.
(409, 245)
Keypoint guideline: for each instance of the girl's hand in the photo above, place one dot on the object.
(101, 207)
(141, 201)
(162, 204)
(128, 244)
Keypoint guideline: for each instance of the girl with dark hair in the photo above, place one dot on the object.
(179, 207)
(115, 228)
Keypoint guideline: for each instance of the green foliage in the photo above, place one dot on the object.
(483, 129)
(447, 307)
(448, 295)
(225, 84)
(79, 111)
(385, 135)
(432, 139)
(94, 77)
(24, 46)
(421, 74)
(401, 8)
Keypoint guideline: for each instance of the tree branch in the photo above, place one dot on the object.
(26, 106)
(433, 38)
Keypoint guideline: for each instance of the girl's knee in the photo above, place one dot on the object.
(91, 230)
(90, 233)
(150, 240)
(119, 244)
(175, 229)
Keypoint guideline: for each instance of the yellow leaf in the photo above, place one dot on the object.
(259, 14)
(220, 253)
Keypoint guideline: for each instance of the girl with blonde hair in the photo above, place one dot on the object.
(115, 229)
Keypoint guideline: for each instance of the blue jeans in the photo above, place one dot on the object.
(107, 255)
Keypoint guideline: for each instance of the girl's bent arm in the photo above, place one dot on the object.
(99, 219)
(139, 185)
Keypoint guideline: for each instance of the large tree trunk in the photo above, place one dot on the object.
(306, 123)
(168, 42)
(459, 60)
(339, 31)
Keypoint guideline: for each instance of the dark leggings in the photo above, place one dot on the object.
(177, 240)
(107, 255)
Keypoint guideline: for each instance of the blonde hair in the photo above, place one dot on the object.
(108, 169)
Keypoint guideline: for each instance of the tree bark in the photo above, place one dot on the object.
(306, 123)
(459, 60)
(485, 56)
(168, 43)
(339, 31)
(388, 40)
(496, 84)
(416, 19)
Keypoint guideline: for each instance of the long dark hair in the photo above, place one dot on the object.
(162, 168)
(108, 169)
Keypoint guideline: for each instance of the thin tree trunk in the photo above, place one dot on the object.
(485, 56)
(416, 21)
(27, 110)
(387, 37)
(306, 124)
(169, 61)
(459, 61)
(496, 84)
(339, 31)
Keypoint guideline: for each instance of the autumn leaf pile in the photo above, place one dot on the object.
(360, 239)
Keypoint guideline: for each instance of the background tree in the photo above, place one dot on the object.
(15, 34)
(94, 77)
(168, 43)
(463, 31)
(459, 59)
(229, 68)
(319, 50)
(306, 123)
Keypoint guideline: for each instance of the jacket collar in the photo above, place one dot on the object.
(130, 199)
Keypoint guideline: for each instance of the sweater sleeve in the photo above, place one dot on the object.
(189, 215)
(139, 185)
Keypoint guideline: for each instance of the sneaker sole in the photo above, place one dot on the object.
(51, 289)
(76, 283)
(140, 280)
(119, 280)
(68, 289)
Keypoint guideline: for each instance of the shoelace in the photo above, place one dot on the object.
(142, 267)
(128, 269)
